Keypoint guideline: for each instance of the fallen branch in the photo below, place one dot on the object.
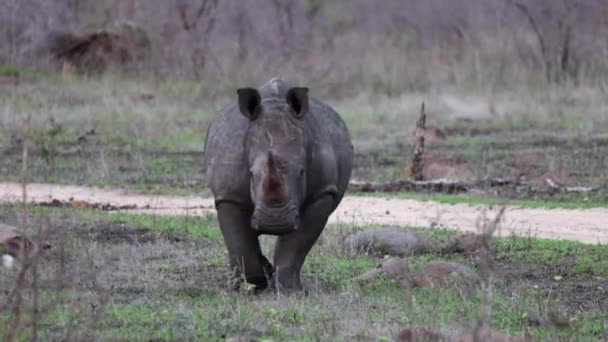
(556, 187)
(80, 204)
(438, 185)
(455, 186)
(409, 185)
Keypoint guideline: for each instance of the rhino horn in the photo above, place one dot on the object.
(273, 186)
(273, 173)
(271, 162)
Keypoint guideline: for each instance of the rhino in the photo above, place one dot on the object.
(278, 163)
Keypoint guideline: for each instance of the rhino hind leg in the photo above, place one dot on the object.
(244, 252)
(291, 249)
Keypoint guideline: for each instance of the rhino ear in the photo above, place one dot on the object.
(249, 102)
(297, 98)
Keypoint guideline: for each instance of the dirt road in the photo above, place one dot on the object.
(586, 225)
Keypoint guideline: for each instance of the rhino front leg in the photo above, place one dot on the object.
(243, 246)
(291, 249)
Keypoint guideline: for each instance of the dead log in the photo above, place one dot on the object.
(454, 186)
(444, 186)
(557, 187)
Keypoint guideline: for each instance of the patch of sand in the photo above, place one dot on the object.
(586, 225)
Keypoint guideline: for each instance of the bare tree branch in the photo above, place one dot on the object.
(539, 35)
(205, 9)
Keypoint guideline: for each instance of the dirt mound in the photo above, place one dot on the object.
(430, 134)
(441, 273)
(388, 241)
(14, 242)
(395, 268)
(532, 166)
(441, 167)
(114, 234)
(419, 335)
(466, 243)
(434, 274)
(93, 52)
(426, 335)
(488, 335)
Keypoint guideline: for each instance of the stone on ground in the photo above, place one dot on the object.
(388, 241)
(466, 243)
(441, 273)
(394, 268)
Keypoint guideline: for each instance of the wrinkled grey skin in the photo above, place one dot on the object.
(278, 162)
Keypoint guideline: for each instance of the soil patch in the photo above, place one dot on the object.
(575, 293)
(111, 233)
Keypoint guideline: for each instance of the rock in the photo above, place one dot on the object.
(419, 335)
(388, 241)
(494, 336)
(558, 317)
(463, 243)
(395, 268)
(14, 242)
(440, 273)
(7, 261)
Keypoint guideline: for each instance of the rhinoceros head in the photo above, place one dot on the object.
(276, 146)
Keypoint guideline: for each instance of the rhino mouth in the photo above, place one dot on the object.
(275, 221)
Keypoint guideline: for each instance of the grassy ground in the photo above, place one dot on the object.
(166, 278)
(150, 135)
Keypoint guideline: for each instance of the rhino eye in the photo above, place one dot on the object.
(301, 172)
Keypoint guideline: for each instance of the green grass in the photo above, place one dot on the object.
(589, 259)
(198, 227)
(174, 142)
(195, 226)
(214, 317)
(9, 70)
(336, 308)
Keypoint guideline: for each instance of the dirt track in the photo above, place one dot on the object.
(587, 225)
